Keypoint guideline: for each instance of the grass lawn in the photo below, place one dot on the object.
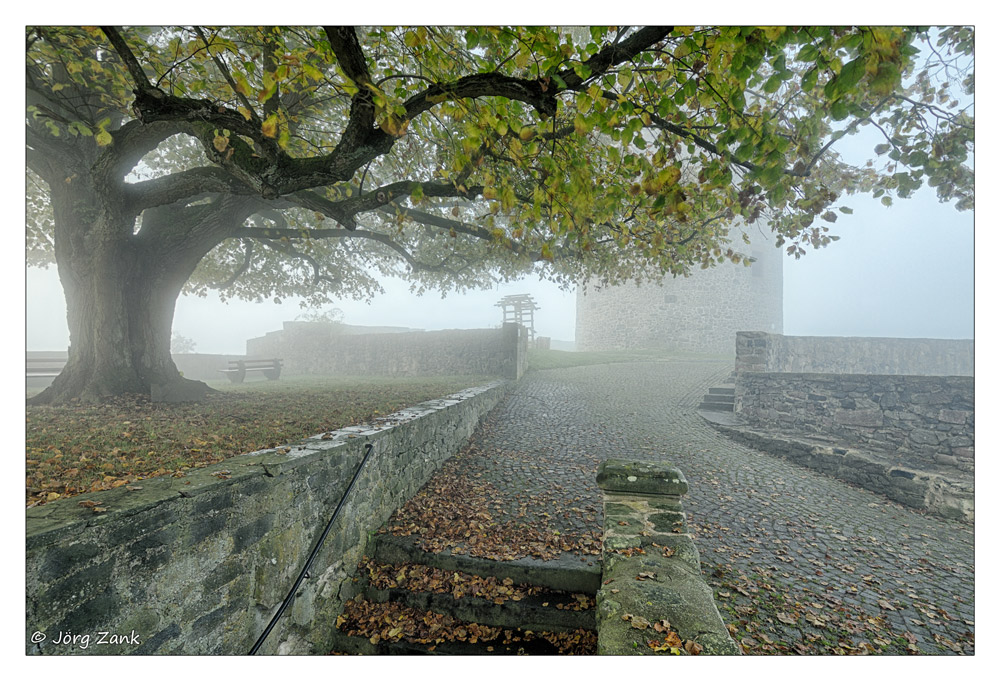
(560, 359)
(72, 450)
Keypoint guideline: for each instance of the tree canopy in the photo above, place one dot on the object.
(308, 161)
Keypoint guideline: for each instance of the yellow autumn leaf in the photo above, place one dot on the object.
(220, 143)
(312, 72)
(242, 86)
(394, 126)
(103, 138)
(270, 126)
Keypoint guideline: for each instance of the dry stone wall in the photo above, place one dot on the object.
(924, 422)
(894, 415)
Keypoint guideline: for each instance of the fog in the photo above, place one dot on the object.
(904, 271)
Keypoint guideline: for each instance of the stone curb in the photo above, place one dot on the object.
(930, 492)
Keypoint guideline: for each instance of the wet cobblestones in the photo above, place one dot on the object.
(801, 563)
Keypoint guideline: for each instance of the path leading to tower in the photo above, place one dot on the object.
(800, 563)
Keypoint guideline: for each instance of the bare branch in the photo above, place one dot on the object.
(242, 269)
(225, 74)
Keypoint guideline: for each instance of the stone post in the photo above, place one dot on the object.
(653, 599)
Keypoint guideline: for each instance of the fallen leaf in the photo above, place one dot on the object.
(786, 618)
(639, 622)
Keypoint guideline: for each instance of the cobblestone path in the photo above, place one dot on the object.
(800, 562)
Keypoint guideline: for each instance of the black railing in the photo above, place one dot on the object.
(304, 574)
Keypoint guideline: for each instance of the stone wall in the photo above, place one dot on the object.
(198, 564)
(768, 352)
(700, 313)
(321, 349)
(923, 422)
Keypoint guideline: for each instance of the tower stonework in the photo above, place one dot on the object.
(699, 313)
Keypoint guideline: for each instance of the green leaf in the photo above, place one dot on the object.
(808, 53)
(809, 80)
(851, 74)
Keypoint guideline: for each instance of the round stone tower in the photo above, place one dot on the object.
(699, 313)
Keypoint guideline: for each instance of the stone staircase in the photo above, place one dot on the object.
(414, 602)
(721, 398)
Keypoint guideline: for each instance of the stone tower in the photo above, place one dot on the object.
(700, 313)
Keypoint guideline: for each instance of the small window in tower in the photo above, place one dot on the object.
(668, 298)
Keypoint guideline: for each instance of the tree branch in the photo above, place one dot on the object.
(125, 54)
(247, 259)
(185, 184)
(540, 93)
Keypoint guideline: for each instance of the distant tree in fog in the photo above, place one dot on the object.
(181, 345)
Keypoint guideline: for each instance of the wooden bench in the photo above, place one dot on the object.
(238, 369)
(44, 367)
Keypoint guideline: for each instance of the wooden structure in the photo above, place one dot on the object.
(520, 309)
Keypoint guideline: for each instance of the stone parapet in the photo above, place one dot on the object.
(653, 599)
(770, 352)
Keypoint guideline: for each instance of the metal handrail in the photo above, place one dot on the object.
(312, 556)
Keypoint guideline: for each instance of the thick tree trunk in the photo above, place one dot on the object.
(120, 314)
(120, 298)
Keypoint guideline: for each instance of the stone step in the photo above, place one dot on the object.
(719, 399)
(471, 598)
(722, 390)
(566, 573)
(392, 629)
(715, 406)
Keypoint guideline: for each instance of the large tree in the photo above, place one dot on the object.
(308, 161)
